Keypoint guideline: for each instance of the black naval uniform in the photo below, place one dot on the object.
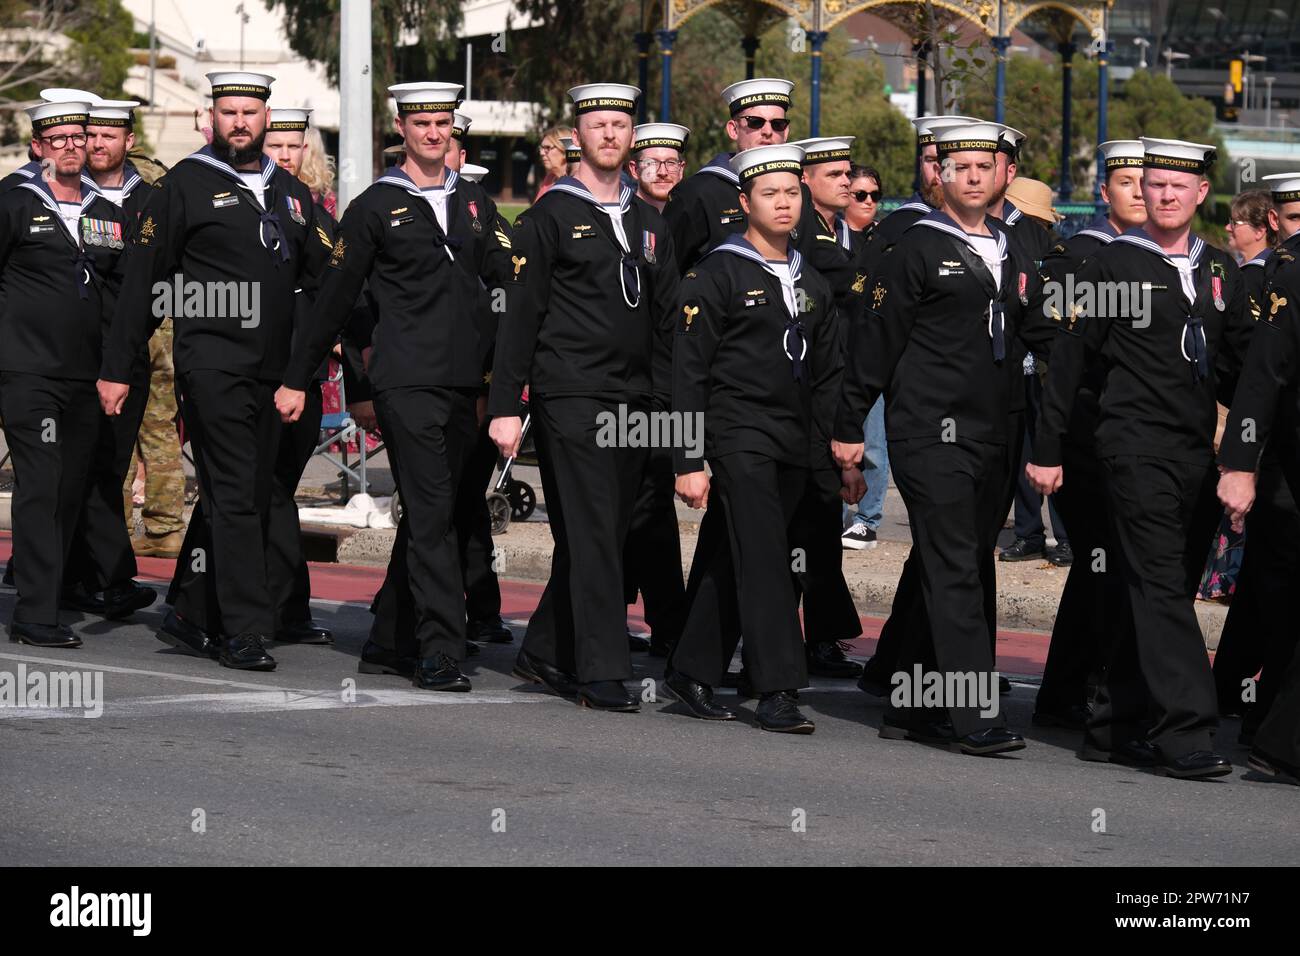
(56, 287)
(1155, 435)
(426, 368)
(1266, 397)
(28, 172)
(101, 556)
(286, 567)
(580, 329)
(1094, 602)
(936, 341)
(703, 209)
(754, 368)
(890, 229)
(204, 223)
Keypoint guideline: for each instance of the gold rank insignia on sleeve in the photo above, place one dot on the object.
(145, 236)
(519, 262)
(503, 239)
(878, 295)
(859, 281)
(336, 256)
(324, 238)
(1255, 310)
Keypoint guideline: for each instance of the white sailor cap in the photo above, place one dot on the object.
(49, 115)
(826, 149)
(650, 135)
(473, 172)
(928, 126)
(760, 160)
(591, 97)
(113, 113)
(289, 120)
(572, 151)
(426, 97)
(1285, 187)
(1177, 154)
(256, 85)
(972, 136)
(1119, 153)
(63, 94)
(763, 91)
(460, 124)
(1010, 141)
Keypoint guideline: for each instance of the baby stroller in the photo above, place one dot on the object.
(512, 499)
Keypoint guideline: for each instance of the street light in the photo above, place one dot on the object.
(1247, 59)
(1268, 100)
(1142, 43)
(1170, 56)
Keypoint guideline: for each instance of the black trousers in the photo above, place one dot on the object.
(1028, 502)
(1259, 629)
(1279, 733)
(51, 426)
(580, 624)
(1094, 601)
(652, 556)
(1163, 515)
(951, 490)
(429, 432)
(757, 499)
(101, 554)
(829, 613)
(286, 568)
(234, 432)
(474, 531)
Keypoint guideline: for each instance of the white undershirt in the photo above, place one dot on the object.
(254, 182)
(1184, 267)
(113, 194)
(615, 213)
(782, 269)
(70, 213)
(437, 197)
(987, 247)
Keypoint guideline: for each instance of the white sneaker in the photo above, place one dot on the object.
(858, 537)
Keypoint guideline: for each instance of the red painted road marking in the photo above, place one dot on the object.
(1019, 652)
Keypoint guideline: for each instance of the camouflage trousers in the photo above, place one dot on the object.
(159, 445)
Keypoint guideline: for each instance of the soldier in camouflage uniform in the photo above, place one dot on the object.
(159, 446)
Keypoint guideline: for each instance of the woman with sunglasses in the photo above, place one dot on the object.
(864, 200)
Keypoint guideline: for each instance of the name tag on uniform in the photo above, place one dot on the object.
(729, 216)
(953, 270)
(401, 220)
(755, 297)
(222, 200)
(37, 228)
(583, 231)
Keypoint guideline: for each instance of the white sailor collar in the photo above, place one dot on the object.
(737, 245)
(576, 187)
(1258, 260)
(207, 157)
(1138, 236)
(1099, 229)
(938, 219)
(916, 203)
(37, 184)
(720, 165)
(1012, 217)
(396, 176)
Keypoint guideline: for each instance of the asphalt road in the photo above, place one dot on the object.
(281, 769)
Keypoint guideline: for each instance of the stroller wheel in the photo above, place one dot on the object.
(498, 506)
(523, 500)
(395, 508)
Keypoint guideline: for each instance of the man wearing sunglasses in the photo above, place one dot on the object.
(704, 208)
(60, 241)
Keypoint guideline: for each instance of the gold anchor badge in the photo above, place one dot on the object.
(878, 295)
(859, 281)
(1278, 301)
(691, 312)
(519, 262)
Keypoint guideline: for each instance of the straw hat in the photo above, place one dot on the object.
(1033, 198)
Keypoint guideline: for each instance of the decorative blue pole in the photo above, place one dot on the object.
(666, 38)
(1000, 47)
(643, 73)
(1067, 90)
(817, 38)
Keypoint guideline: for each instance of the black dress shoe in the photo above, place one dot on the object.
(874, 682)
(472, 649)
(537, 671)
(491, 630)
(43, 635)
(1062, 555)
(1073, 717)
(77, 597)
(1273, 767)
(697, 697)
(439, 672)
(380, 660)
(304, 632)
(1197, 765)
(122, 600)
(638, 644)
(1024, 549)
(607, 695)
(779, 713)
(985, 743)
(1130, 753)
(826, 659)
(184, 636)
(246, 652)
(921, 730)
(660, 647)
(1004, 684)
